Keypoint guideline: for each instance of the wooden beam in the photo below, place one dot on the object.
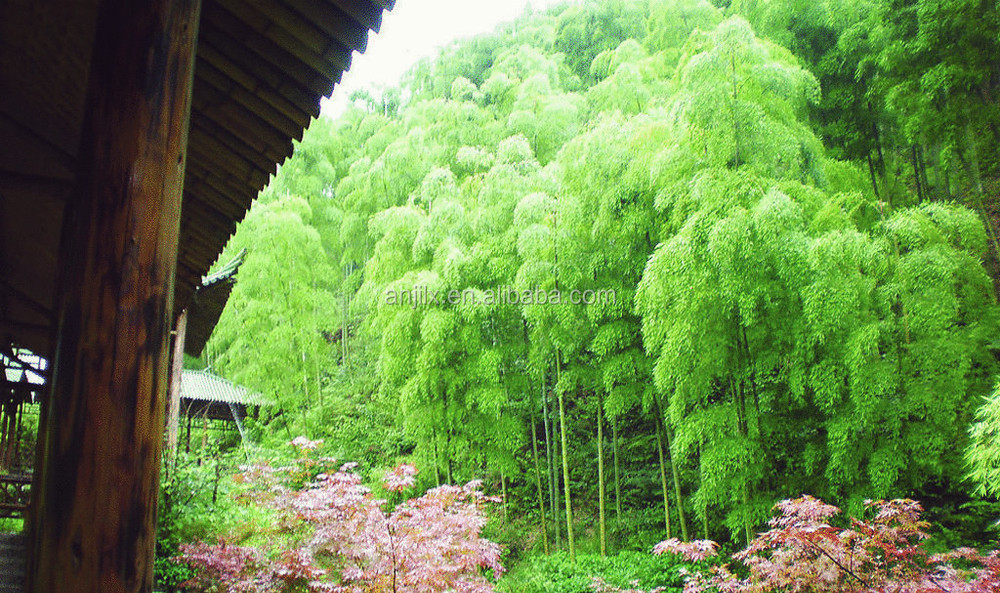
(196, 211)
(250, 145)
(36, 154)
(173, 412)
(37, 336)
(236, 191)
(35, 331)
(13, 357)
(95, 493)
(55, 186)
(25, 299)
(297, 62)
(363, 12)
(267, 104)
(228, 203)
(256, 75)
(213, 153)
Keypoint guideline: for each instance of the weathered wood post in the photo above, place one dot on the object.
(176, 372)
(93, 527)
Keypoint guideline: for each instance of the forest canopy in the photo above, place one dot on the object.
(793, 205)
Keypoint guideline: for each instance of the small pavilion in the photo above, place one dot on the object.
(208, 399)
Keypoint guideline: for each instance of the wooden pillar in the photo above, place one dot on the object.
(187, 439)
(176, 371)
(4, 429)
(9, 433)
(94, 521)
(17, 439)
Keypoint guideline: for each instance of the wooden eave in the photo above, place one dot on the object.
(208, 303)
(262, 67)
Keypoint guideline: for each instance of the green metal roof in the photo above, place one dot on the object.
(206, 386)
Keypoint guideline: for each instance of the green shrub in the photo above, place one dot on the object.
(556, 574)
(194, 505)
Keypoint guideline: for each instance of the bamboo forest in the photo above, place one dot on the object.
(625, 296)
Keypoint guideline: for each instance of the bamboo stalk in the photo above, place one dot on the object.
(600, 475)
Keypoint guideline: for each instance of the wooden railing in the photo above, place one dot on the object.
(15, 494)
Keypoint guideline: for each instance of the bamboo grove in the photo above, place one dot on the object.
(784, 215)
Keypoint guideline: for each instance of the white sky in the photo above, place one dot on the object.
(418, 28)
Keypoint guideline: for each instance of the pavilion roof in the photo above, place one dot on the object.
(207, 386)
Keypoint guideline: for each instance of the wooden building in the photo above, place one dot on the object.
(133, 136)
(22, 387)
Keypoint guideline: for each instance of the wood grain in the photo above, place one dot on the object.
(96, 492)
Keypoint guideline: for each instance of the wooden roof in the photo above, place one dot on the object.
(262, 67)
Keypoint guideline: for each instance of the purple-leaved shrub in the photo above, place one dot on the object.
(335, 536)
(803, 552)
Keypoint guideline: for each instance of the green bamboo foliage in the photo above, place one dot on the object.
(278, 311)
(743, 307)
(788, 295)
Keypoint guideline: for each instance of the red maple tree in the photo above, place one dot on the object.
(346, 541)
(803, 552)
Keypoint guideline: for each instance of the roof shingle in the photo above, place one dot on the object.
(206, 386)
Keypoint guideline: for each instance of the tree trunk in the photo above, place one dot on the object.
(618, 484)
(343, 324)
(97, 485)
(437, 460)
(503, 497)
(538, 483)
(565, 466)
(741, 421)
(677, 487)
(704, 511)
(743, 417)
(6, 438)
(551, 464)
(746, 515)
(753, 384)
(319, 384)
(878, 146)
(879, 163)
(679, 499)
(305, 389)
(447, 456)
(921, 194)
(922, 167)
(940, 178)
(17, 437)
(736, 123)
(663, 480)
(871, 174)
(600, 476)
(977, 181)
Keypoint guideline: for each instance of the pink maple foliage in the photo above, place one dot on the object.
(225, 567)
(401, 477)
(306, 445)
(335, 536)
(804, 552)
